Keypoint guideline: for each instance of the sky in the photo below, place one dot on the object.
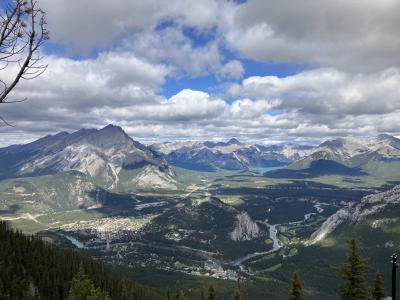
(263, 71)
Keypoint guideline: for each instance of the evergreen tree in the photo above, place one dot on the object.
(124, 292)
(168, 295)
(238, 294)
(353, 273)
(296, 293)
(377, 292)
(82, 288)
(179, 295)
(202, 294)
(32, 268)
(211, 293)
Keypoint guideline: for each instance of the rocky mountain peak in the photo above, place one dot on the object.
(233, 141)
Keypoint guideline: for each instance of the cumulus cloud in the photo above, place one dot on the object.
(233, 69)
(327, 92)
(350, 50)
(352, 36)
(313, 104)
(349, 35)
(85, 24)
(171, 46)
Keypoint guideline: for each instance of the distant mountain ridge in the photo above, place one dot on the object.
(231, 155)
(350, 152)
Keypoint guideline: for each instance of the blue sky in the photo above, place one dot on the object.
(259, 70)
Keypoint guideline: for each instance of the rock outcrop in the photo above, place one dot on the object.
(245, 228)
(356, 212)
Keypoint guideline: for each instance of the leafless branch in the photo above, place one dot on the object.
(22, 33)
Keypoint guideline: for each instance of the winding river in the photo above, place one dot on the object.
(74, 241)
(276, 245)
(273, 234)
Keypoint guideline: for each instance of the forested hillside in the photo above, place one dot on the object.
(31, 268)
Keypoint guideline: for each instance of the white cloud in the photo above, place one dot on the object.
(171, 46)
(312, 104)
(85, 24)
(351, 35)
(355, 36)
(233, 69)
(328, 92)
(353, 88)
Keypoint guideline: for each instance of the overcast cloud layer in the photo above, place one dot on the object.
(130, 52)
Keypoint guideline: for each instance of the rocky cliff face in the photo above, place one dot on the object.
(356, 212)
(100, 154)
(245, 228)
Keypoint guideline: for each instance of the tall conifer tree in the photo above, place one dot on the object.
(353, 272)
(296, 293)
(378, 293)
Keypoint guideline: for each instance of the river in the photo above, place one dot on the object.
(74, 241)
(273, 235)
(276, 245)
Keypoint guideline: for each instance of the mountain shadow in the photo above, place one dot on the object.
(317, 168)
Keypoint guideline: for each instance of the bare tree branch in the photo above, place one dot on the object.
(22, 33)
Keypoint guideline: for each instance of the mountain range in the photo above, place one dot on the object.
(115, 161)
(343, 156)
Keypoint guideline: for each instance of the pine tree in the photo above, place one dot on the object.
(35, 294)
(296, 293)
(32, 268)
(179, 295)
(203, 294)
(124, 292)
(353, 273)
(238, 294)
(377, 292)
(82, 288)
(211, 293)
(168, 295)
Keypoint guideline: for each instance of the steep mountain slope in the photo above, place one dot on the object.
(46, 194)
(100, 154)
(369, 207)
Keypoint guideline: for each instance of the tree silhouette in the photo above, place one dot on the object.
(238, 294)
(202, 294)
(179, 294)
(296, 293)
(211, 293)
(353, 272)
(377, 292)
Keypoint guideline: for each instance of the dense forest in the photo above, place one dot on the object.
(31, 268)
